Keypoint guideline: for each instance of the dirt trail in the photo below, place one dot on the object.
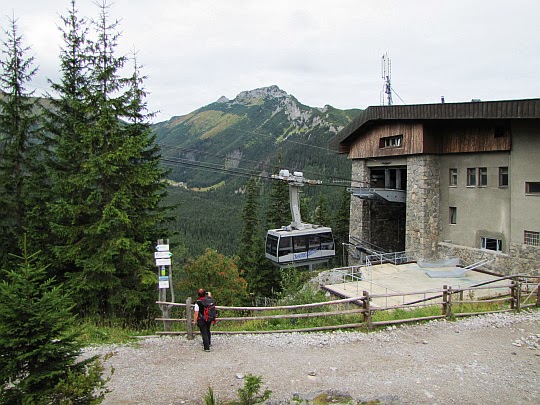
(482, 360)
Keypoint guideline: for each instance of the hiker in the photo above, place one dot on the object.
(205, 310)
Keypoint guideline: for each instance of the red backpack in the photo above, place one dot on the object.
(208, 314)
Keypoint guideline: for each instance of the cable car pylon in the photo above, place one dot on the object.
(299, 243)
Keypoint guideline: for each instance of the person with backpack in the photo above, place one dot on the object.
(205, 315)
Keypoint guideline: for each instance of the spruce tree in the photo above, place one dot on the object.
(322, 215)
(262, 278)
(279, 211)
(20, 144)
(108, 211)
(341, 226)
(67, 122)
(38, 341)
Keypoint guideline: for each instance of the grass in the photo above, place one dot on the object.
(95, 332)
(105, 333)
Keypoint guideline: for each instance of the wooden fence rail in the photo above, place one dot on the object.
(520, 286)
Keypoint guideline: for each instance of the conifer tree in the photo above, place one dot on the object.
(66, 122)
(279, 211)
(20, 144)
(38, 341)
(107, 215)
(322, 215)
(304, 210)
(341, 225)
(250, 219)
(261, 276)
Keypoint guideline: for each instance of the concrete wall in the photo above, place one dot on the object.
(525, 166)
(481, 211)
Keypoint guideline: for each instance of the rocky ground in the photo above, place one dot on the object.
(491, 359)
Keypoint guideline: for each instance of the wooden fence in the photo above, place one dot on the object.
(519, 293)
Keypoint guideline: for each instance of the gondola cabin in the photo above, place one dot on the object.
(286, 246)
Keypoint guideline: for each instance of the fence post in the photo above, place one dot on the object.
(513, 294)
(444, 299)
(189, 322)
(518, 295)
(449, 303)
(367, 310)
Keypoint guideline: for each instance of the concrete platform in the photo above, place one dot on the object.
(411, 278)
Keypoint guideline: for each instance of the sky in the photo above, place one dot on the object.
(321, 52)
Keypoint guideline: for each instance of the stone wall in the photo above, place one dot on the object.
(360, 213)
(423, 205)
(521, 259)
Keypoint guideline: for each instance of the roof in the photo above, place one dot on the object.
(506, 109)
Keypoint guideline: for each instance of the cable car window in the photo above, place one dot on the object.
(271, 245)
(285, 246)
(299, 243)
(314, 242)
(327, 241)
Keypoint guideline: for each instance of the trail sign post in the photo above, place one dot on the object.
(162, 257)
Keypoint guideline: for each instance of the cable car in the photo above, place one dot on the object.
(299, 243)
(286, 246)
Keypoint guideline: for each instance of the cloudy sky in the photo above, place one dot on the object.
(322, 52)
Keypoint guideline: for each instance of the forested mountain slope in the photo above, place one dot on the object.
(219, 146)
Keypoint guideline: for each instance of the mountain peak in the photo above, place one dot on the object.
(257, 95)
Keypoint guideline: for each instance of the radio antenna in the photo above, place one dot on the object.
(386, 74)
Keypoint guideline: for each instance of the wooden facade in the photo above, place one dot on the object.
(491, 127)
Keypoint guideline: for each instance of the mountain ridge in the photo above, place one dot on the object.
(255, 120)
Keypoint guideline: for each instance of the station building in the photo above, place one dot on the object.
(448, 180)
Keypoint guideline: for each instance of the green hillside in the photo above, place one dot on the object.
(219, 146)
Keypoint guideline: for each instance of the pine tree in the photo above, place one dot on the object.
(21, 148)
(38, 342)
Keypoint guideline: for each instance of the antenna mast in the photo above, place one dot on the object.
(386, 74)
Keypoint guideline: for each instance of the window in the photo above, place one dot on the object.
(471, 177)
(299, 243)
(453, 178)
(285, 246)
(491, 244)
(503, 176)
(482, 177)
(391, 142)
(532, 187)
(453, 215)
(532, 238)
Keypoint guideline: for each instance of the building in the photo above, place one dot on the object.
(449, 180)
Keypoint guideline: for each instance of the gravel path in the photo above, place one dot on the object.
(491, 359)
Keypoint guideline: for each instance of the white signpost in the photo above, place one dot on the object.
(162, 255)
(163, 262)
